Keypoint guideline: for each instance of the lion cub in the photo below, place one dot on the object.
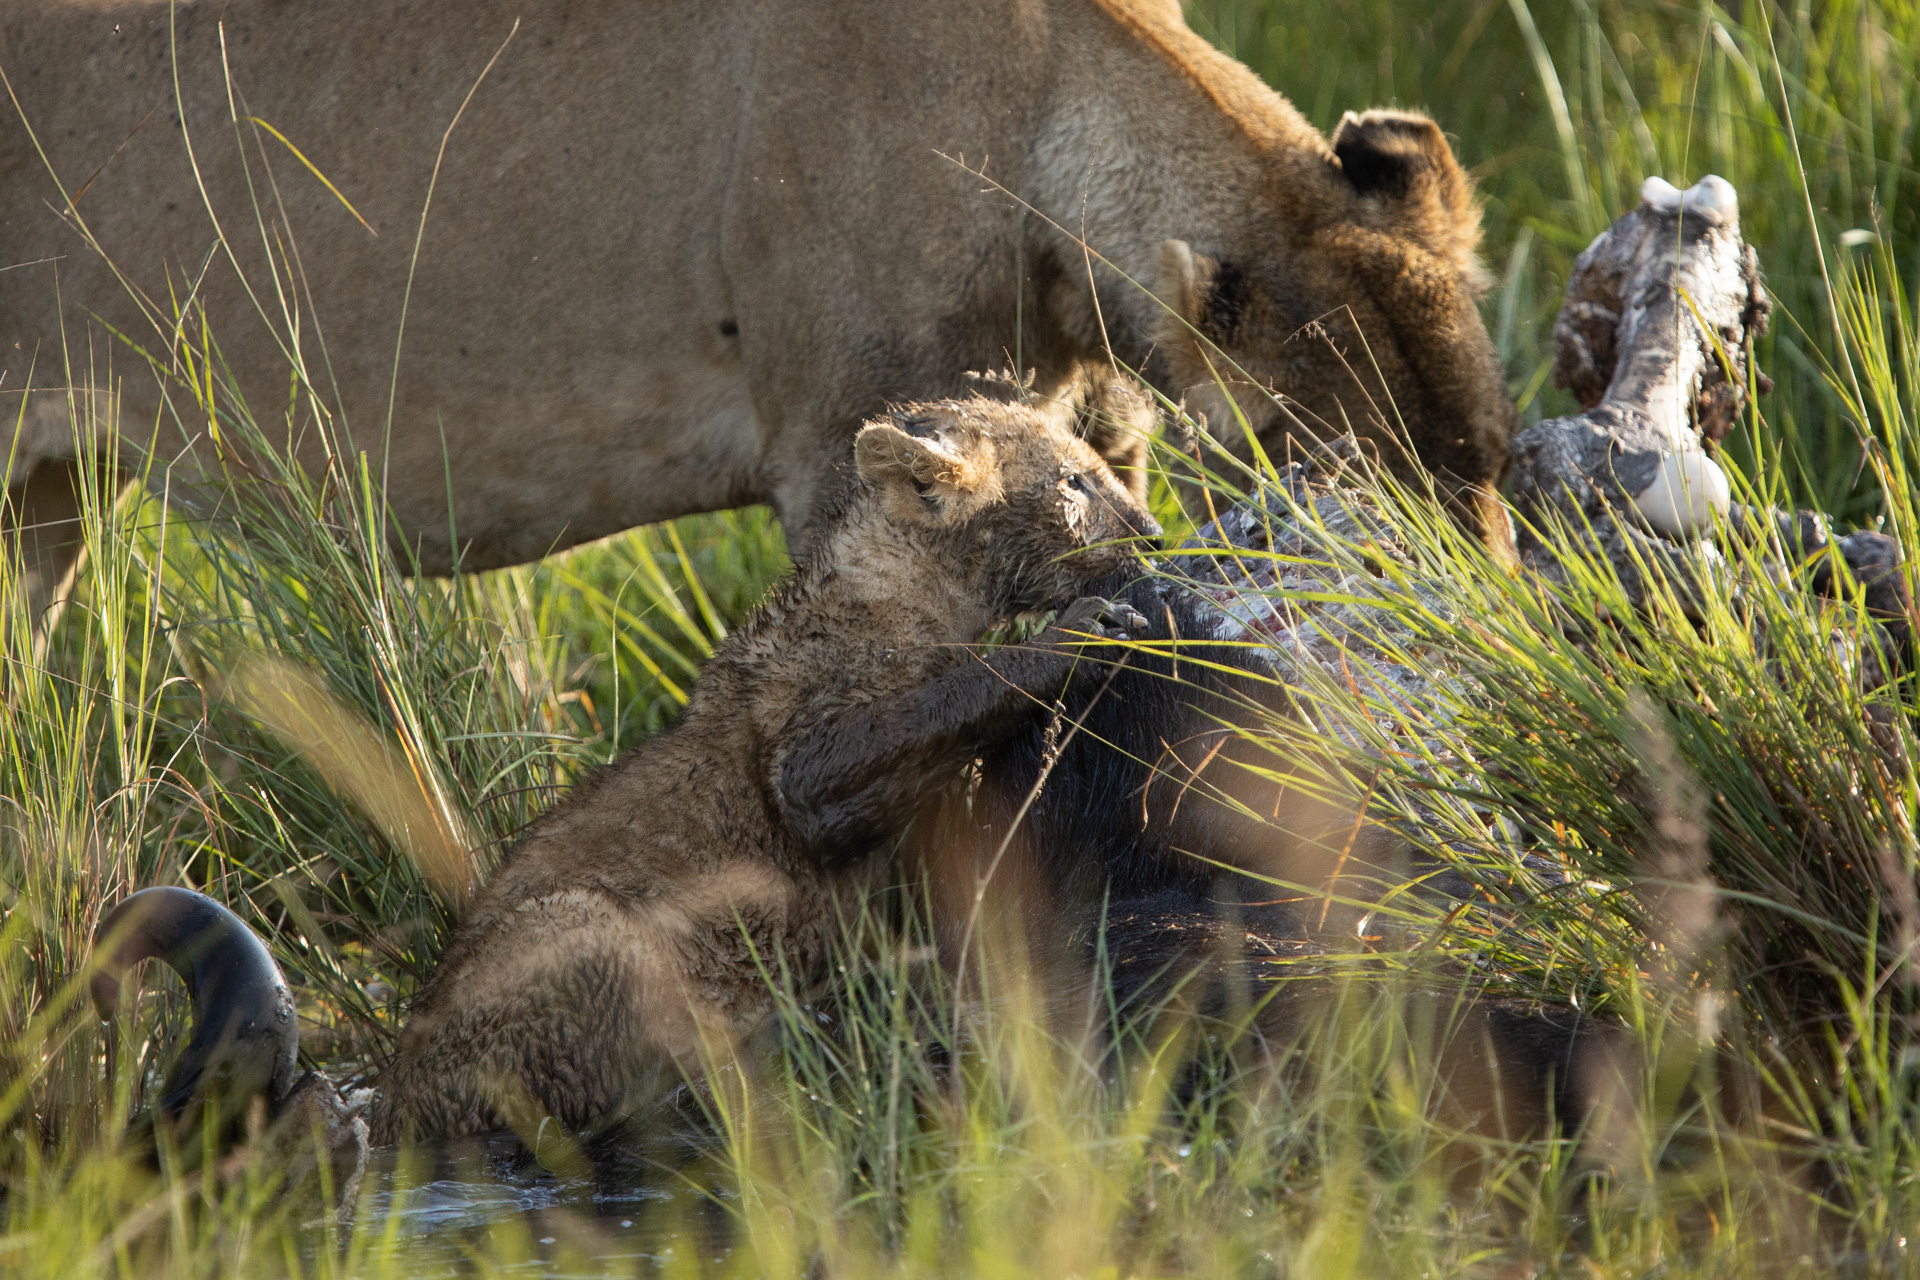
(632, 920)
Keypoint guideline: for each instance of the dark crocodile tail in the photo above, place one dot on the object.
(245, 1037)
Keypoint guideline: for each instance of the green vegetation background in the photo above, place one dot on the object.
(139, 752)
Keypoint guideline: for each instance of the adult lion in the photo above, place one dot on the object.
(676, 253)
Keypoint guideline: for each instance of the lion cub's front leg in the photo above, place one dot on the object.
(856, 776)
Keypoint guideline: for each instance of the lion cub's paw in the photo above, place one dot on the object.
(1096, 617)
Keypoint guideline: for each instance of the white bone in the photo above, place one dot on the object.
(1660, 195)
(1686, 491)
(1714, 198)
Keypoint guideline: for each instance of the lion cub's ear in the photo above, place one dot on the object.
(1400, 163)
(935, 475)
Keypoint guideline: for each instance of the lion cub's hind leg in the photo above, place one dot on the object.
(525, 1030)
(583, 1006)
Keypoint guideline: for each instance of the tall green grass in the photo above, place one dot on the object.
(291, 722)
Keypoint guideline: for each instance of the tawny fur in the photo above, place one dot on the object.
(1370, 327)
(633, 921)
(677, 253)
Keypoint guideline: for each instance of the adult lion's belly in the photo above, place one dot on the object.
(561, 465)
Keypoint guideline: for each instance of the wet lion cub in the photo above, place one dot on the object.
(625, 926)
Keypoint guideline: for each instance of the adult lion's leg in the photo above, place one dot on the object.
(41, 523)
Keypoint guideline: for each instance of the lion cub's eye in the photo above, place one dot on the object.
(1076, 482)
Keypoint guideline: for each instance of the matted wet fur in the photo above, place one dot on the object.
(631, 924)
(677, 253)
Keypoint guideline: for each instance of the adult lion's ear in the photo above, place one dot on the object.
(918, 474)
(1399, 163)
(1177, 279)
(1390, 153)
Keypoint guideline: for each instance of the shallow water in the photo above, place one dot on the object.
(639, 1210)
